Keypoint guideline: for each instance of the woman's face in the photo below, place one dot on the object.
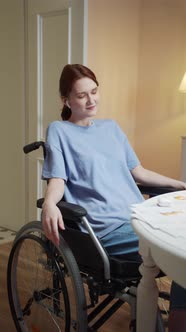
(84, 98)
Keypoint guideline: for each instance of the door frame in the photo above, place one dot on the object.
(73, 8)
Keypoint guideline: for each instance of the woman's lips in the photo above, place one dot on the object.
(90, 108)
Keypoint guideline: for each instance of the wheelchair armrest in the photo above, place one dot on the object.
(69, 211)
(155, 190)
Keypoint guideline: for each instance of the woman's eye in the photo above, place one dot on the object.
(81, 96)
(94, 91)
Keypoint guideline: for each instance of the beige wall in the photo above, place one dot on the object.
(12, 113)
(138, 50)
(160, 113)
(113, 38)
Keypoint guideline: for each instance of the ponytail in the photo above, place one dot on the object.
(66, 113)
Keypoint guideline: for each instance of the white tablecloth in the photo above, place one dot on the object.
(169, 220)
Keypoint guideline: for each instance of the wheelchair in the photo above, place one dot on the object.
(59, 288)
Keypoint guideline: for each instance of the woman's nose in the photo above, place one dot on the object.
(89, 99)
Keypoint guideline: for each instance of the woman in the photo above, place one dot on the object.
(92, 164)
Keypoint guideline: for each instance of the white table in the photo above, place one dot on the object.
(183, 158)
(162, 247)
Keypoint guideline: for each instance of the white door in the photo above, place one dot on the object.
(55, 37)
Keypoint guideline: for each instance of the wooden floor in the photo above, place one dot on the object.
(6, 323)
(118, 323)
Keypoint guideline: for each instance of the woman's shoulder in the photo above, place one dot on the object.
(111, 126)
(55, 128)
(55, 124)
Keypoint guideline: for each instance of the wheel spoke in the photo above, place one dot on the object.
(41, 279)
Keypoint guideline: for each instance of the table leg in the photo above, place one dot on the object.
(147, 294)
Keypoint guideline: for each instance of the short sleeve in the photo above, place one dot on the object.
(131, 157)
(54, 163)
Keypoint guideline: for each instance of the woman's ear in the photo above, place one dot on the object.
(65, 101)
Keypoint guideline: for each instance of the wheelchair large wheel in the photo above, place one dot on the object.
(45, 289)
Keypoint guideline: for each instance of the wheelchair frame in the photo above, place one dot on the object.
(64, 270)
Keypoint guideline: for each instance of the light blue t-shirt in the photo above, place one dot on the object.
(95, 162)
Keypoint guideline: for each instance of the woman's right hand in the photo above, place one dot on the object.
(52, 220)
(51, 216)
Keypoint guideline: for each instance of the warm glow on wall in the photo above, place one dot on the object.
(182, 87)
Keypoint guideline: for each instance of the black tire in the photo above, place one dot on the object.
(45, 289)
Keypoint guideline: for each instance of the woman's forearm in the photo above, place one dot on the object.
(147, 177)
(54, 191)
